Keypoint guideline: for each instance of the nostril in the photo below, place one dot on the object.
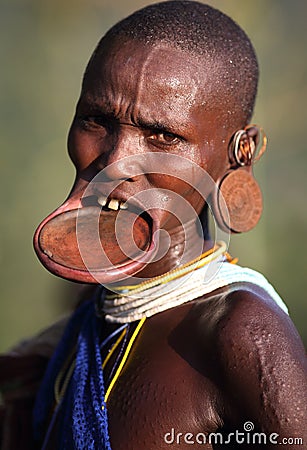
(107, 176)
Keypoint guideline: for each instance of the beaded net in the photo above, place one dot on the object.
(80, 419)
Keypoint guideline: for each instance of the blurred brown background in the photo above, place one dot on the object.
(44, 49)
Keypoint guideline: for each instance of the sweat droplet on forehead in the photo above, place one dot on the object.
(156, 83)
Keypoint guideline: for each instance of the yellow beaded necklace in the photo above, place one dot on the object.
(65, 374)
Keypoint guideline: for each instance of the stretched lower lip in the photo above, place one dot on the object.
(75, 246)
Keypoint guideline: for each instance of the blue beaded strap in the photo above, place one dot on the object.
(82, 423)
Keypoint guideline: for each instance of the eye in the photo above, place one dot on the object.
(164, 138)
(94, 122)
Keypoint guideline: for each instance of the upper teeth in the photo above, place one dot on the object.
(112, 203)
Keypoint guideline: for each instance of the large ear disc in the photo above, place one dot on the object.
(237, 199)
(238, 205)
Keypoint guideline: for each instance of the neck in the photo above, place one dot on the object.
(173, 288)
(183, 243)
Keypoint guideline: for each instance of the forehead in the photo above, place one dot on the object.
(151, 80)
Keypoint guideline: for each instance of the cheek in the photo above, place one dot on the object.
(182, 190)
(82, 148)
(215, 161)
(172, 183)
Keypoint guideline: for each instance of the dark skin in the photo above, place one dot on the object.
(210, 367)
(224, 359)
(120, 116)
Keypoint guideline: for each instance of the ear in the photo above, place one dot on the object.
(247, 146)
(237, 199)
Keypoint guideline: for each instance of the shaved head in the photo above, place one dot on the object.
(216, 41)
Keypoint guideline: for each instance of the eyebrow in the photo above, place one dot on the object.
(154, 125)
(139, 121)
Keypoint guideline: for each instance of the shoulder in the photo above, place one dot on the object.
(246, 324)
(238, 310)
(260, 357)
(254, 320)
(242, 310)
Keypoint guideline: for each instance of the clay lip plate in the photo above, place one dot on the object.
(91, 244)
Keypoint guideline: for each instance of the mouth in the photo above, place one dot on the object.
(103, 240)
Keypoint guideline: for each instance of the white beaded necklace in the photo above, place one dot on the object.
(181, 285)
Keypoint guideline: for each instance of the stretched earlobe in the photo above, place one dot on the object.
(237, 200)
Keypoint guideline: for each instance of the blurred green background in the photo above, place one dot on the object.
(45, 46)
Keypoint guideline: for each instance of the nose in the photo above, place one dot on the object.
(124, 159)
